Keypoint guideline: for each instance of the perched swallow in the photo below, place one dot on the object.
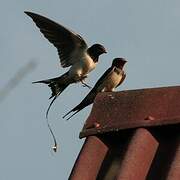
(110, 80)
(73, 51)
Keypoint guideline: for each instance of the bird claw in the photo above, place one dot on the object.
(85, 85)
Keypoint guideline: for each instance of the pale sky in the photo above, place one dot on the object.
(146, 33)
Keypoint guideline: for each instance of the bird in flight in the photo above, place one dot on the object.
(73, 52)
(110, 80)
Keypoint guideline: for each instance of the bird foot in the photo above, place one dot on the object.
(86, 85)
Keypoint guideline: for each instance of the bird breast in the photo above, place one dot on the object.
(82, 67)
(87, 64)
(112, 80)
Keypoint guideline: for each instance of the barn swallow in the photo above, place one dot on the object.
(73, 51)
(110, 80)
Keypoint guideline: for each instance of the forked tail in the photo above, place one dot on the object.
(57, 85)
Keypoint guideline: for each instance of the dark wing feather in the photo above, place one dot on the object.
(102, 78)
(89, 99)
(70, 45)
(96, 89)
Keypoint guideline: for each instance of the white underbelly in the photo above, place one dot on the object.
(82, 68)
(112, 82)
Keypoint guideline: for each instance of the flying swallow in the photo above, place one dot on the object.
(110, 80)
(73, 52)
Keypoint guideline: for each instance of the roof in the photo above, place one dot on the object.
(115, 111)
(132, 135)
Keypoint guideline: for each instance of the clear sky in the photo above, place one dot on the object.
(146, 33)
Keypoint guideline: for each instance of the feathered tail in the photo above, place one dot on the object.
(57, 85)
(89, 99)
(75, 110)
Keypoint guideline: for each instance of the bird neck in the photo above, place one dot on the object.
(93, 55)
(119, 67)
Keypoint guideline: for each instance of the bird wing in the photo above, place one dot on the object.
(98, 87)
(89, 99)
(70, 46)
(101, 80)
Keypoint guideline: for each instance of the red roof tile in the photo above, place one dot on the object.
(132, 135)
(133, 108)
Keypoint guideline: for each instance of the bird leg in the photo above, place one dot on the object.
(84, 84)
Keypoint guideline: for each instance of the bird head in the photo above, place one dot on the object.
(98, 49)
(119, 62)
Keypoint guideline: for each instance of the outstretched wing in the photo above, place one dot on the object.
(70, 46)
